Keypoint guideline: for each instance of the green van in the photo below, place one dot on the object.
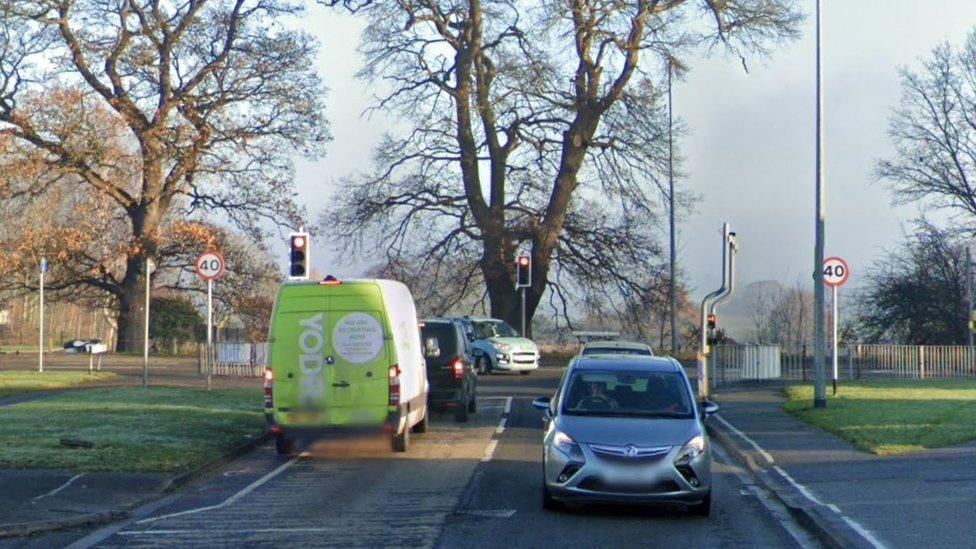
(344, 356)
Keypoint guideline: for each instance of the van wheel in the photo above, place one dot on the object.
(402, 441)
(424, 424)
(461, 412)
(285, 446)
(484, 366)
(525, 372)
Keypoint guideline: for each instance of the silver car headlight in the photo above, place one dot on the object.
(504, 347)
(692, 449)
(567, 445)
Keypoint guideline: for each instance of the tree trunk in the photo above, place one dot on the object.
(132, 302)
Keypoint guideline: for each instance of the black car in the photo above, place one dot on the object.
(450, 369)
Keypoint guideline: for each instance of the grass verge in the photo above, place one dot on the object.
(17, 382)
(893, 417)
(132, 429)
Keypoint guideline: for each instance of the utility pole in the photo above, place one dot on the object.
(969, 296)
(672, 294)
(819, 365)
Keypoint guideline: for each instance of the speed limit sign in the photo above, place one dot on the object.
(835, 271)
(210, 266)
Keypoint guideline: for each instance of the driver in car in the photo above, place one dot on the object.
(597, 399)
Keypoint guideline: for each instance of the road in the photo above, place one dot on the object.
(454, 488)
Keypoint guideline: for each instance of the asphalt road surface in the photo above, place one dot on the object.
(470, 485)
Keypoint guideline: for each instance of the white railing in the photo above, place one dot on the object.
(861, 361)
(236, 359)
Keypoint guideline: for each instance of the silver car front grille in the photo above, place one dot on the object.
(630, 451)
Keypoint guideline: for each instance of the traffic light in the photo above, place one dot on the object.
(712, 320)
(523, 272)
(299, 256)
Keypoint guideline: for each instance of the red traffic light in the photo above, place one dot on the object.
(523, 261)
(298, 241)
(712, 320)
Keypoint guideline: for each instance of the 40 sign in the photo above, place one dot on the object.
(835, 271)
(210, 266)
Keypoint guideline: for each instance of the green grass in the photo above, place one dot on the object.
(16, 382)
(893, 417)
(133, 429)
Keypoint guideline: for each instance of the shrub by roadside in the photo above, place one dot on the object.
(893, 417)
(130, 429)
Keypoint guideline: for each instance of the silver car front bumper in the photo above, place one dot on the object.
(595, 476)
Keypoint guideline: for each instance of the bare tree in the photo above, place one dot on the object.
(532, 126)
(934, 132)
(163, 109)
(783, 318)
(916, 294)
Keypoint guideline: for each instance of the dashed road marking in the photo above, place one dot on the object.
(490, 450)
(489, 513)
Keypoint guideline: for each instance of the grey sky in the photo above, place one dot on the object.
(750, 150)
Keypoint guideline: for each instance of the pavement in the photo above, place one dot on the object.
(848, 497)
(470, 485)
(33, 501)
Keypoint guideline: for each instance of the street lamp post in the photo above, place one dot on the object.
(819, 370)
(672, 294)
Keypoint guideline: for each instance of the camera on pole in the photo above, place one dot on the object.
(523, 278)
(298, 269)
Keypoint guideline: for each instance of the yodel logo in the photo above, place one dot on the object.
(311, 342)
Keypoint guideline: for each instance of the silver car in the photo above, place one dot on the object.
(626, 430)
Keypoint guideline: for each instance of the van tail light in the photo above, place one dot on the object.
(394, 385)
(268, 388)
(457, 368)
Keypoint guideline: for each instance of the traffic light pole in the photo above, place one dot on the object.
(145, 333)
(703, 381)
(523, 311)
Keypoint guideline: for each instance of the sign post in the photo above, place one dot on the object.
(210, 266)
(835, 273)
(145, 333)
(40, 337)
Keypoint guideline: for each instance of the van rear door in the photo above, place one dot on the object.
(297, 354)
(359, 356)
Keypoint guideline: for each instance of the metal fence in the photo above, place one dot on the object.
(235, 359)
(748, 362)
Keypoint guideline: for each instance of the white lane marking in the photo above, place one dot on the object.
(775, 508)
(865, 533)
(803, 489)
(753, 443)
(229, 501)
(58, 489)
(210, 531)
(490, 450)
(490, 513)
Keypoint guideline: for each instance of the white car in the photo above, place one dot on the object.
(630, 348)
